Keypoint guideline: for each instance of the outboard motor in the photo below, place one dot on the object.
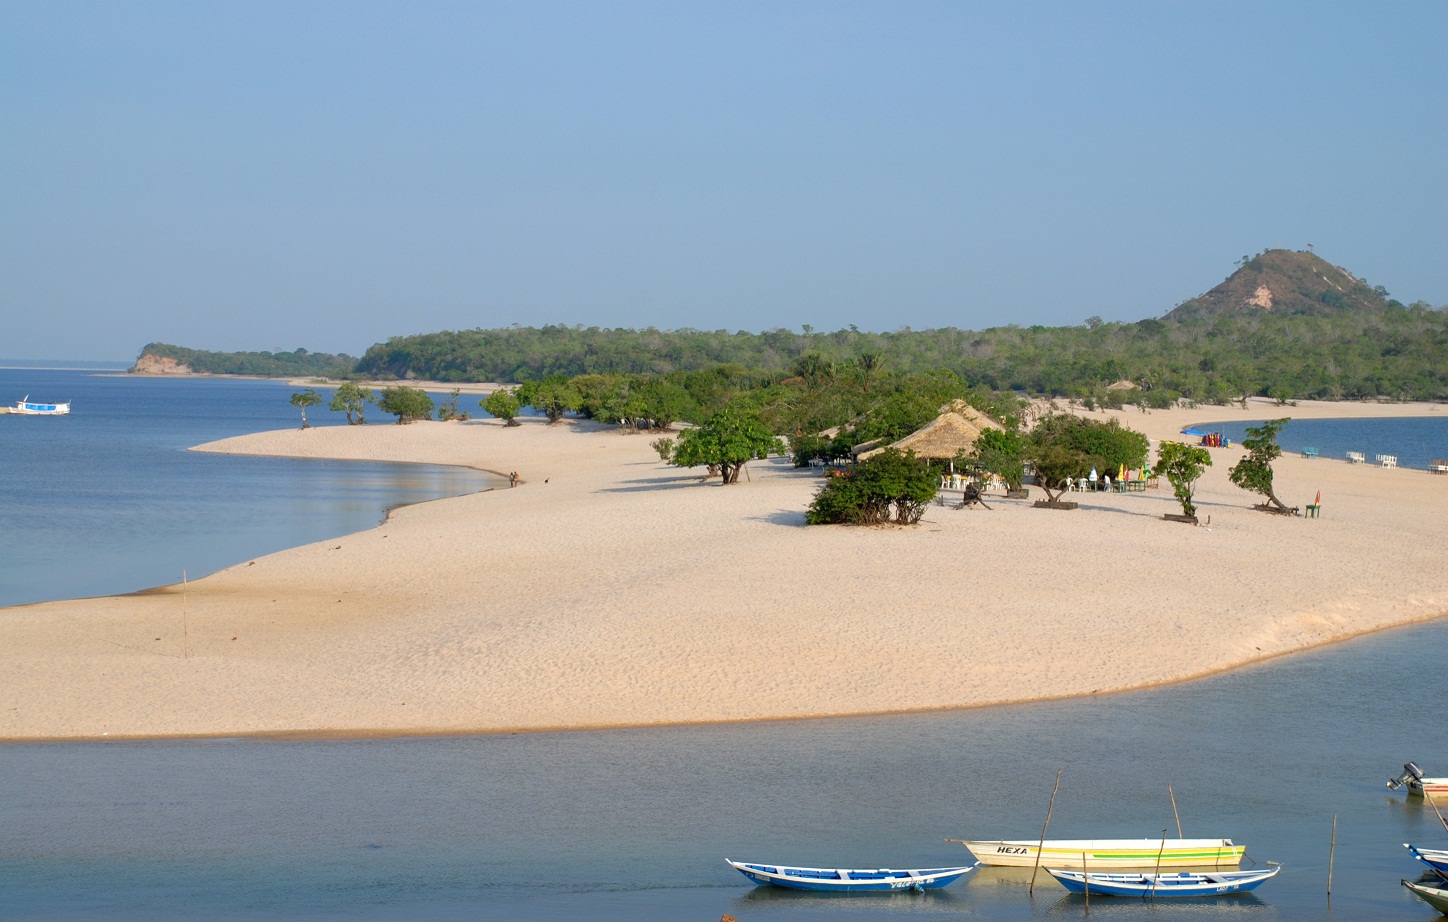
(1411, 772)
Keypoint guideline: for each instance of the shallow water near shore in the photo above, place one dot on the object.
(1414, 441)
(635, 824)
(108, 500)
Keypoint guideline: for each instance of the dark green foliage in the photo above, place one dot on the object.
(554, 396)
(885, 488)
(1001, 452)
(1182, 465)
(1254, 472)
(1063, 447)
(307, 398)
(636, 401)
(406, 403)
(502, 404)
(300, 363)
(352, 400)
(1196, 356)
(726, 442)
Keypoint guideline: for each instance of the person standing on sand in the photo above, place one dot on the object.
(513, 479)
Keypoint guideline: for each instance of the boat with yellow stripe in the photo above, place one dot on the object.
(1101, 854)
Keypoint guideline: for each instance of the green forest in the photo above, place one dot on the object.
(1317, 333)
(260, 364)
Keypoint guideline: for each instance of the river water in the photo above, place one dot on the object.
(1414, 441)
(108, 500)
(635, 824)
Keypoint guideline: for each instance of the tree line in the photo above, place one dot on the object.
(1393, 353)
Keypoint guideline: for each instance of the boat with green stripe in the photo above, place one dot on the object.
(1101, 854)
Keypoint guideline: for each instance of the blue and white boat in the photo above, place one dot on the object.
(27, 407)
(1435, 858)
(849, 880)
(1163, 886)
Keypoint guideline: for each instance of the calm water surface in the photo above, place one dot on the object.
(1414, 440)
(108, 500)
(635, 824)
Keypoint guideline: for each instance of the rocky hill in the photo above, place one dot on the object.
(166, 359)
(1286, 282)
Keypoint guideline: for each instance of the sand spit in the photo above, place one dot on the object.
(609, 590)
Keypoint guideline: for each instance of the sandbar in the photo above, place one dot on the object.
(610, 590)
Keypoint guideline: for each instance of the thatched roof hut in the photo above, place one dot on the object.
(957, 428)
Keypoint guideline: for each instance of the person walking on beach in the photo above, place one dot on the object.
(513, 479)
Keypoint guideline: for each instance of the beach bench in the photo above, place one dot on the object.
(1387, 460)
(1356, 457)
(1309, 453)
(1438, 466)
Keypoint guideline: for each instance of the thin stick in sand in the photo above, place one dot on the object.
(1032, 888)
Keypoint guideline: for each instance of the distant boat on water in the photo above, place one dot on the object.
(1107, 853)
(1418, 786)
(847, 880)
(1185, 883)
(27, 407)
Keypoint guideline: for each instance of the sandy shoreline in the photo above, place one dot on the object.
(609, 590)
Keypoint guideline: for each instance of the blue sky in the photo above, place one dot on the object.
(238, 176)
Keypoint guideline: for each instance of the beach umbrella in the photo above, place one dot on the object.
(1318, 500)
(1093, 476)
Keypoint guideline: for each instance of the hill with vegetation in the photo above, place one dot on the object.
(163, 358)
(1285, 282)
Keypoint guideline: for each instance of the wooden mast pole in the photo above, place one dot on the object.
(1042, 844)
(1331, 849)
(1174, 812)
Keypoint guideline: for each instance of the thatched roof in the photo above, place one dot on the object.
(971, 415)
(943, 437)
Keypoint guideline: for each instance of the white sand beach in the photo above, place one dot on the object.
(610, 590)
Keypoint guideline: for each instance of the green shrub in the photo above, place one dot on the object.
(888, 487)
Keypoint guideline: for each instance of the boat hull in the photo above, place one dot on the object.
(1437, 897)
(26, 408)
(1163, 886)
(1435, 858)
(1104, 854)
(1437, 787)
(849, 880)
